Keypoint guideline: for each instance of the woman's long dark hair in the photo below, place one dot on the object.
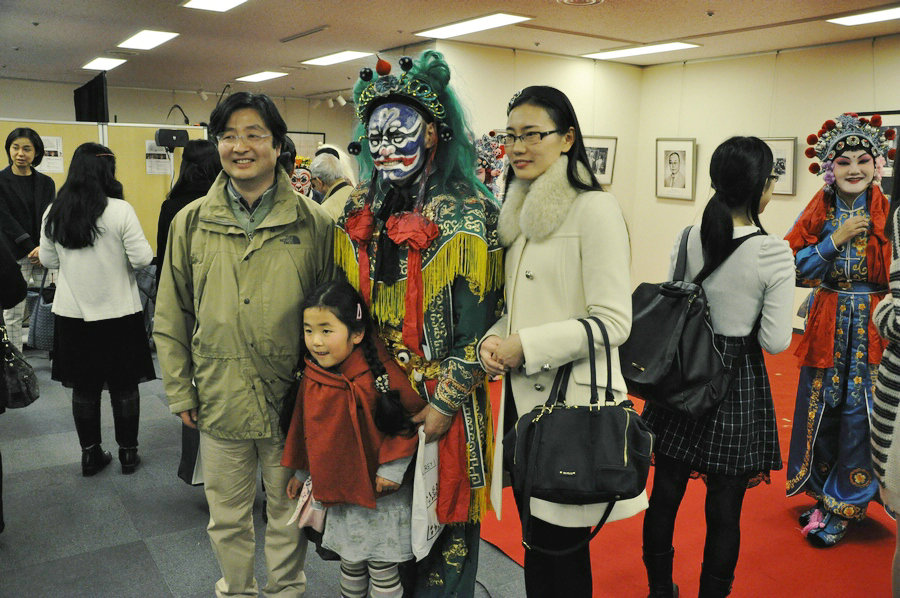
(739, 170)
(341, 299)
(561, 112)
(200, 165)
(72, 220)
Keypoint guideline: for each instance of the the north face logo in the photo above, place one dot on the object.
(291, 240)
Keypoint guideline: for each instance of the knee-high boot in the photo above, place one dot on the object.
(126, 407)
(86, 413)
(659, 574)
(712, 586)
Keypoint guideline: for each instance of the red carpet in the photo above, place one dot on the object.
(775, 559)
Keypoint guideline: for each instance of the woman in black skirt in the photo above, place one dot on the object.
(735, 446)
(93, 236)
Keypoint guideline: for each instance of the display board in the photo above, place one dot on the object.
(139, 169)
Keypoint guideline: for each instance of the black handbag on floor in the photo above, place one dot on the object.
(670, 359)
(579, 454)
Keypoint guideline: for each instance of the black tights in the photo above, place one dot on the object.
(724, 499)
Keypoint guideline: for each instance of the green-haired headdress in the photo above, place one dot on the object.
(424, 85)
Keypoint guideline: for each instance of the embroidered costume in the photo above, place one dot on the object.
(419, 242)
(841, 349)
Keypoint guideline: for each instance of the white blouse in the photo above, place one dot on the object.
(97, 282)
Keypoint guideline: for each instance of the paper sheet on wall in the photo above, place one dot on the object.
(53, 155)
(158, 159)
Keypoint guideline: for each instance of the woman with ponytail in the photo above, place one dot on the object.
(351, 432)
(842, 252)
(733, 447)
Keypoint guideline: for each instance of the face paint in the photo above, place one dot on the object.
(301, 180)
(397, 141)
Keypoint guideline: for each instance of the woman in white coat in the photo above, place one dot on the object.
(567, 258)
(94, 238)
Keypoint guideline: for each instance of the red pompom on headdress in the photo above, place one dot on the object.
(892, 153)
(814, 168)
(876, 120)
(890, 134)
(811, 139)
(810, 152)
(828, 125)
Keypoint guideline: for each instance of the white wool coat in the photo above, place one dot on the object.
(567, 258)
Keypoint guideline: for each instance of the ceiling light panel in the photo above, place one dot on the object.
(480, 24)
(639, 51)
(344, 56)
(869, 17)
(103, 64)
(262, 76)
(214, 5)
(147, 39)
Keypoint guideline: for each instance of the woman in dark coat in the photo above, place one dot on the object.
(24, 195)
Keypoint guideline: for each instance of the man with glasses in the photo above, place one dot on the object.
(227, 331)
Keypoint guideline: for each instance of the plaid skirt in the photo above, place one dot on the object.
(740, 436)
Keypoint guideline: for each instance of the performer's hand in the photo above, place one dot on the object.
(384, 486)
(189, 417)
(510, 352)
(850, 228)
(436, 423)
(294, 486)
(489, 360)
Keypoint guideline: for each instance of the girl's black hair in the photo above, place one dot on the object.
(739, 170)
(561, 112)
(340, 298)
(72, 219)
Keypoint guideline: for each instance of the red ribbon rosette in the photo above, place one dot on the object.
(416, 232)
(360, 226)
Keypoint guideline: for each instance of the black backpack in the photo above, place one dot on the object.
(670, 359)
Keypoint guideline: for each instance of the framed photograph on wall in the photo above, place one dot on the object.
(601, 153)
(676, 167)
(784, 152)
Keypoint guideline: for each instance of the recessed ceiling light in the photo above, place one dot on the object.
(480, 24)
(640, 50)
(215, 5)
(147, 39)
(336, 58)
(263, 76)
(103, 64)
(869, 17)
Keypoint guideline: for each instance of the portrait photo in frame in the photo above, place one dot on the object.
(601, 153)
(676, 167)
(784, 155)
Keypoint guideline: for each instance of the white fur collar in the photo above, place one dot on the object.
(537, 208)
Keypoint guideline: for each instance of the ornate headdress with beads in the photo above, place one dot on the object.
(848, 132)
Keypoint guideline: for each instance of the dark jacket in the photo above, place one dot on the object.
(20, 220)
(12, 285)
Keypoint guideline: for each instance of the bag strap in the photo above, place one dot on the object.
(735, 243)
(681, 261)
(592, 358)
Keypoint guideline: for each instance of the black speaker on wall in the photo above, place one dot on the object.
(91, 104)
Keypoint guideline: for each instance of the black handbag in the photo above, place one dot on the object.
(42, 321)
(670, 359)
(579, 454)
(19, 384)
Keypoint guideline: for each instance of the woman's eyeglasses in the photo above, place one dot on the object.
(529, 138)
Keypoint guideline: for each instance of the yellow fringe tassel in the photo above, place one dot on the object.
(464, 255)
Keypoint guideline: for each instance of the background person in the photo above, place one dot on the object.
(240, 261)
(25, 194)
(554, 204)
(840, 250)
(93, 236)
(735, 445)
(328, 179)
(12, 292)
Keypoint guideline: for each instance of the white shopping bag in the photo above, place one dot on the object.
(425, 525)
